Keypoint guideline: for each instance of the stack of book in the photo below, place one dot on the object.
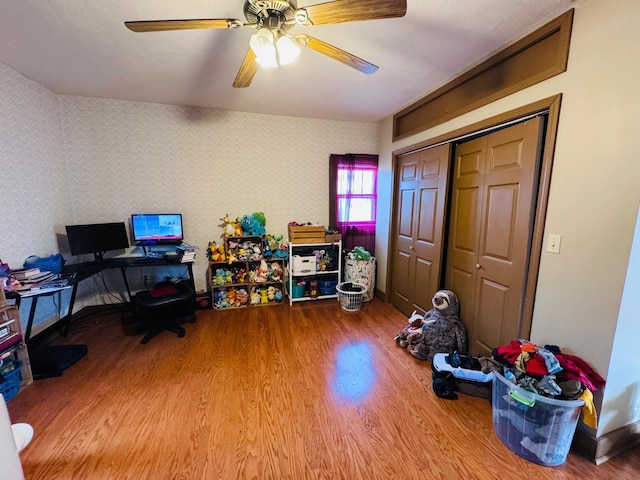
(186, 253)
(28, 276)
(9, 335)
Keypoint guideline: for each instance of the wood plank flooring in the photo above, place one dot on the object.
(301, 392)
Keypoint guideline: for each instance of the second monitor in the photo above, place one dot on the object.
(157, 228)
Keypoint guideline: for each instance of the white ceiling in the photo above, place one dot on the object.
(81, 47)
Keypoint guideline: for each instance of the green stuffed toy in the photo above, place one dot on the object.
(359, 253)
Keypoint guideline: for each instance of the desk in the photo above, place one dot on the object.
(88, 269)
(79, 272)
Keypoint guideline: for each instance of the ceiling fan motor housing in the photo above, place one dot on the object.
(278, 15)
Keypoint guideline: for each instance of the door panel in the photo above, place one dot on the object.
(406, 213)
(489, 320)
(500, 170)
(418, 240)
(403, 288)
(501, 219)
(424, 273)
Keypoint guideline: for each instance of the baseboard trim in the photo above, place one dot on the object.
(605, 447)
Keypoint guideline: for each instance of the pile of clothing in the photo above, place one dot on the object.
(548, 372)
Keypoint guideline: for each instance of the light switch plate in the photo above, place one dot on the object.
(553, 243)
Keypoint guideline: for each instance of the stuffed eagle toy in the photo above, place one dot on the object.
(439, 331)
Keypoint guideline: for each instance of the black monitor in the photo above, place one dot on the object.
(157, 228)
(97, 238)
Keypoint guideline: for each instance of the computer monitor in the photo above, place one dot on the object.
(97, 238)
(157, 228)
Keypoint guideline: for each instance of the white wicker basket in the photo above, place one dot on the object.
(350, 300)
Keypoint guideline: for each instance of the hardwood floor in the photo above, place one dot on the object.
(301, 392)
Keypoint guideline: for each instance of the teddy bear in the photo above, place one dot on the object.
(412, 333)
(443, 332)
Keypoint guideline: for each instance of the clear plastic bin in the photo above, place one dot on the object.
(537, 428)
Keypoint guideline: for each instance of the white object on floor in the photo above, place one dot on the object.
(9, 458)
(22, 434)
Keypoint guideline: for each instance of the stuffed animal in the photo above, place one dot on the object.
(219, 277)
(215, 252)
(282, 252)
(279, 296)
(271, 293)
(444, 333)
(228, 227)
(264, 297)
(275, 272)
(242, 295)
(262, 273)
(255, 298)
(413, 332)
(251, 226)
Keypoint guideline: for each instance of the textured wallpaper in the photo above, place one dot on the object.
(81, 160)
(125, 157)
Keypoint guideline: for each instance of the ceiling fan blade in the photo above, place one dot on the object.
(340, 11)
(336, 53)
(162, 25)
(247, 71)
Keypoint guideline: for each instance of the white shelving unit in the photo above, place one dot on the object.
(294, 275)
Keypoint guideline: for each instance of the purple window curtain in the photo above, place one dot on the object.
(360, 232)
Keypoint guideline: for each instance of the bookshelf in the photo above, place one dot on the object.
(12, 342)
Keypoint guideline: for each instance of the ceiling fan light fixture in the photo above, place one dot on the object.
(288, 51)
(263, 45)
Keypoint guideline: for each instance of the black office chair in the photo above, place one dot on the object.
(165, 307)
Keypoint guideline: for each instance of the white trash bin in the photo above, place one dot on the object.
(362, 272)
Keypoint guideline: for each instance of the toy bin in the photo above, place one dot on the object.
(297, 291)
(537, 428)
(327, 286)
(362, 272)
(10, 377)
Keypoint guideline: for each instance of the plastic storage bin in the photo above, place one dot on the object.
(10, 378)
(327, 287)
(537, 428)
(297, 291)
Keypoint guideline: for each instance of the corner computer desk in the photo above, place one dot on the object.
(77, 273)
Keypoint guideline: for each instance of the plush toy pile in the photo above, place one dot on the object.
(439, 331)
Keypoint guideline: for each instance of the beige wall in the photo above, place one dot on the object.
(68, 159)
(593, 200)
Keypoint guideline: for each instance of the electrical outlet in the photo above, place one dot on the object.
(553, 243)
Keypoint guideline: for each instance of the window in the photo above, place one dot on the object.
(352, 198)
(356, 195)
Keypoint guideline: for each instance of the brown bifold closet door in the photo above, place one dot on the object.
(489, 232)
(419, 224)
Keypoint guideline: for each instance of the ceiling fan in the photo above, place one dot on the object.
(273, 44)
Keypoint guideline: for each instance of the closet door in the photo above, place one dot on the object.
(418, 242)
(492, 205)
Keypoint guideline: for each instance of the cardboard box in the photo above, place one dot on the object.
(306, 234)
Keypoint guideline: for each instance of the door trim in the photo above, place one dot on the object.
(551, 105)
